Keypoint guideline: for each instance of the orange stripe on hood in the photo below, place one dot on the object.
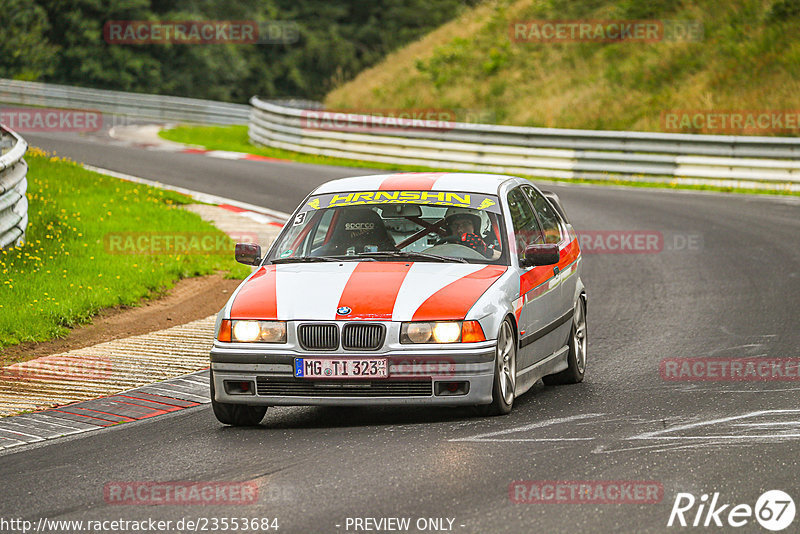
(257, 299)
(454, 300)
(372, 289)
(419, 181)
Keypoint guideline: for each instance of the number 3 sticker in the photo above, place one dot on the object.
(300, 218)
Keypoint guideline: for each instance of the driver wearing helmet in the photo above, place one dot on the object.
(465, 227)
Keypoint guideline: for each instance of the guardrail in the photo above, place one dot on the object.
(13, 185)
(721, 160)
(158, 107)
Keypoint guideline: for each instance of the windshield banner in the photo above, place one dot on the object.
(434, 198)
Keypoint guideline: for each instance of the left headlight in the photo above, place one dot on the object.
(247, 331)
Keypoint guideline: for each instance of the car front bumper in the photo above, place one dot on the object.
(413, 377)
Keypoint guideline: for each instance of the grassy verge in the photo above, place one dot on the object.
(234, 138)
(69, 268)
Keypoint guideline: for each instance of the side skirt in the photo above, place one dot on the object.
(554, 363)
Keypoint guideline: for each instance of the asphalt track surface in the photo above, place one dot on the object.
(725, 285)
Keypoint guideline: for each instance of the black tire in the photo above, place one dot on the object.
(576, 359)
(236, 414)
(505, 373)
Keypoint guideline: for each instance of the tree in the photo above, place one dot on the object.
(338, 39)
(25, 54)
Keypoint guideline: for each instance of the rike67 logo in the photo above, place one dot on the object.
(774, 510)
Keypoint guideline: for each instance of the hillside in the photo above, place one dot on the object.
(748, 58)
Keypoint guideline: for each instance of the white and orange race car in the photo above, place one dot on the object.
(404, 289)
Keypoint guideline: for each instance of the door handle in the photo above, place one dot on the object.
(556, 270)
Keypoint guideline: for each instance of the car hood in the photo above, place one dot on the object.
(380, 291)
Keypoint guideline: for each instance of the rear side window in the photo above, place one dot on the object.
(547, 215)
(526, 227)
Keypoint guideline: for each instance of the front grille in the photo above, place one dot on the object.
(318, 336)
(362, 336)
(298, 387)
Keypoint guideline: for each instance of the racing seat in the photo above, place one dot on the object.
(359, 228)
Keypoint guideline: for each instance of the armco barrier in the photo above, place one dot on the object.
(13, 169)
(738, 161)
(13, 185)
(157, 107)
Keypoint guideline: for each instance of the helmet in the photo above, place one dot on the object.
(453, 213)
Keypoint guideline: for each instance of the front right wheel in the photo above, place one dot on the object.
(505, 373)
(236, 414)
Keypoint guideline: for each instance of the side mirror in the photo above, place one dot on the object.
(248, 253)
(542, 254)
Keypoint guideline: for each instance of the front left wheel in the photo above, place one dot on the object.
(236, 414)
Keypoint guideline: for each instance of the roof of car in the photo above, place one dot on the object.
(418, 181)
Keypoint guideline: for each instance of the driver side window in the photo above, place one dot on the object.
(552, 228)
(526, 227)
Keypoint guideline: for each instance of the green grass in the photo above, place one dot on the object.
(235, 139)
(66, 271)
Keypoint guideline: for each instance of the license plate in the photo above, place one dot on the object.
(335, 368)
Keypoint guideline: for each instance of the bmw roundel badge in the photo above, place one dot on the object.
(343, 310)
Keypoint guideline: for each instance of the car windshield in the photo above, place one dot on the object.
(389, 225)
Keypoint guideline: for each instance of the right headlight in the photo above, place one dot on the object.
(249, 331)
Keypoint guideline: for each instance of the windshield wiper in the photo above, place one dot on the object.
(302, 259)
(412, 255)
(310, 259)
